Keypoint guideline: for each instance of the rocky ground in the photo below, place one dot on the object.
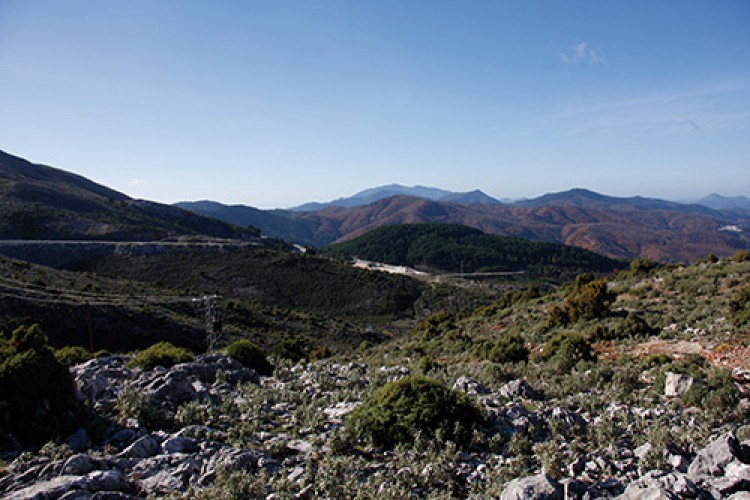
(213, 428)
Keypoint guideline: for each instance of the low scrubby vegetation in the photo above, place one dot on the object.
(400, 412)
(250, 355)
(472, 394)
(161, 354)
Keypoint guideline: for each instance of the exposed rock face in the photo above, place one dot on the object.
(135, 461)
(714, 458)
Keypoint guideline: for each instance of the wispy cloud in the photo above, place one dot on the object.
(707, 109)
(581, 53)
(137, 182)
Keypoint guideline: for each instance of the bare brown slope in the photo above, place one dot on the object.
(660, 234)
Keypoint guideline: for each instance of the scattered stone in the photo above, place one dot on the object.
(518, 388)
(677, 384)
(338, 411)
(300, 446)
(540, 487)
(470, 386)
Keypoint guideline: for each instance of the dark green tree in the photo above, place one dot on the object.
(37, 398)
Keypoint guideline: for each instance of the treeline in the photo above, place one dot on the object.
(456, 248)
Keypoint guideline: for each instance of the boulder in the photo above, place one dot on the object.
(172, 386)
(179, 444)
(518, 388)
(660, 484)
(711, 460)
(540, 487)
(161, 483)
(53, 488)
(78, 465)
(79, 440)
(677, 384)
(111, 480)
(145, 447)
(470, 386)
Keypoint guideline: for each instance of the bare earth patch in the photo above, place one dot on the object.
(729, 356)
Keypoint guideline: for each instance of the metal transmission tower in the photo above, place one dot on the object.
(214, 316)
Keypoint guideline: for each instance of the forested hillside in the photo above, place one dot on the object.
(454, 248)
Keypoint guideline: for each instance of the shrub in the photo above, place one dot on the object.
(741, 256)
(567, 349)
(72, 355)
(399, 411)
(320, 353)
(37, 399)
(250, 355)
(435, 325)
(739, 306)
(632, 326)
(427, 364)
(642, 267)
(161, 354)
(509, 348)
(132, 403)
(718, 394)
(290, 349)
(589, 299)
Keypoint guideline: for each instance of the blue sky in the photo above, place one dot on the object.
(275, 103)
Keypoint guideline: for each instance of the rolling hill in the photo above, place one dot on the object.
(452, 248)
(42, 202)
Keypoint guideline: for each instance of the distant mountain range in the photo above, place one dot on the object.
(380, 193)
(42, 202)
(720, 202)
(662, 230)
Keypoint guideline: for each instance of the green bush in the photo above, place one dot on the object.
(161, 354)
(398, 412)
(37, 399)
(739, 306)
(320, 353)
(427, 364)
(641, 267)
(567, 349)
(72, 355)
(290, 349)
(633, 326)
(509, 348)
(589, 299)
(250, 355)
(741, 256)
(719, 393)
(435, 325)
(132, 403)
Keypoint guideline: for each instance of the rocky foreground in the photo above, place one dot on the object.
(214, 428)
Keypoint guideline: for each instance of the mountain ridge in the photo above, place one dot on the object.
(43, 202)
(372, 195)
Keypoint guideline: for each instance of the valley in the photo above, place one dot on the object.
(574, 345)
